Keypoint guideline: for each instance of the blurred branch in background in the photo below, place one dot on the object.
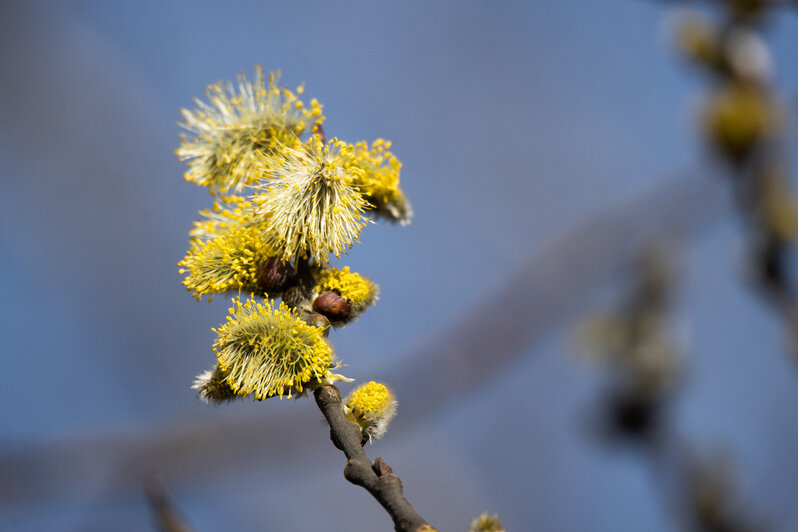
(634, 345)
(641, 358)
(165, 514)
(744, 123)
(547, 291)
(743, 5)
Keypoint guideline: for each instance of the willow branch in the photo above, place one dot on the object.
(377, 478)
(549, 289)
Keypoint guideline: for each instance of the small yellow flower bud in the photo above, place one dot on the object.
(486, 523)
(371, 406)
(737, 118)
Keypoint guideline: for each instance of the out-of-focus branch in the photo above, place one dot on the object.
(700, 487)
(550, 290)
(743, 122)
(377, 478)
(166, 516)
(633, 342)
(789, 3)
(547, 290)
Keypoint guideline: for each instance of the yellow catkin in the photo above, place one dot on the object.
(227, 212)
(308, 204)
(378, 180)
(226, 136)
(371, 406)
(270, 352)
(225, 262)
(486, 523)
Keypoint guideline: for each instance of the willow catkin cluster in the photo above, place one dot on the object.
(285, 202)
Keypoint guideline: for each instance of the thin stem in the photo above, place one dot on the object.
(377, 478)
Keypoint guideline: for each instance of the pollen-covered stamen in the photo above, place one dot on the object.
(371, 406)
(267, 351)
(226, 136)
(378, 180)
(229, 261)
(308, 203)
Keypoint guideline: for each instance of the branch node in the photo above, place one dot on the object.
(376, 477)
(356, 473)
(328, 394)
(381, 468)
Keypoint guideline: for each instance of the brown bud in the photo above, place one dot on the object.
(333, 306)
(274, 275)
(318, 130)
(296, 297)
(380, 467)
(314, 319)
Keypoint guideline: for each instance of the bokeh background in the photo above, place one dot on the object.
(541, 142)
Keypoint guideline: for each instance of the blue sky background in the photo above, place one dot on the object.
(515, 122)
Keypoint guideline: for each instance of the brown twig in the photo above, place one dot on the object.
(377, 478)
